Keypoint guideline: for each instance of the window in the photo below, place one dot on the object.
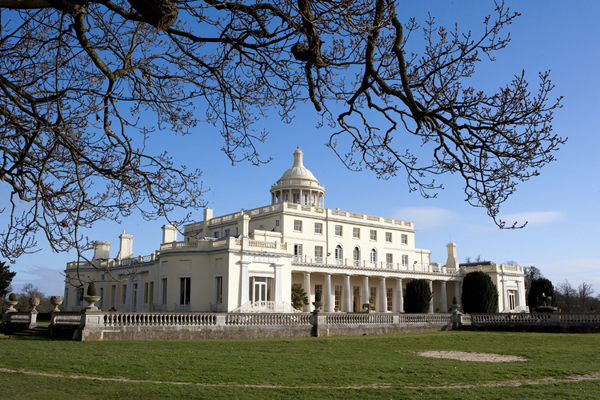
(389, 260)
(338, 230)
(218, 290)
(227, 232)
(216, 235)
(184, 290)
(373, 295)
(318, 228)
(356, 233)
(113, 296)
(388, 237)
(124, 295)
(339, 254)
(319, 289)
(318, 254)
(146, 293)
(338, 296)
(404, 238)
(373, 258)
(390, 298)
(79, 297)
(373, 234)
(276, 223)
(297, 225)
(298, 252)
(404, 260)
(296, 197)
(356, 256)
(163, 285)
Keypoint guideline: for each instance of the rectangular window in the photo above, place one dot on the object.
(297, 225)
(390, 298)
(146, 293)
(318, 228)
(404, 238)
(319, 289)
(184, 290)
(217, 235)
(388, 237)
(338, 230)
(356, 233)
(101, 305)
(373, 295)
(124, 294)
(163, 285)
(79, 297)
(296, 197)
(319, 254)
(338, 296)
(113, 296)
(298, 252)
(404, 260)
(276, 223)
(227, 232)
(389, 260)
(219, 290)
(373, 234)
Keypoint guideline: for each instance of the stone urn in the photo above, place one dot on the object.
(34, 302)
(92, 300)
(366, 307)
(56, 301)
(318, 305)
(11, 306)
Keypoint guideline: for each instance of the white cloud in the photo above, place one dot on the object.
(533, 218)
(427, 218)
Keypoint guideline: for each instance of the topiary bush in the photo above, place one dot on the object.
(538, 287)
(479, 294)
(12, 297)
(317, 297)
(91, 290)
(417, 297)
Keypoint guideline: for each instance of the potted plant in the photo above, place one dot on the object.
(318, 303)
(12, 302)
(91, 297)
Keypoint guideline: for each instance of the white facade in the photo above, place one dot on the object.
(250, 259)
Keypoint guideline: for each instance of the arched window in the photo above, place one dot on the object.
(356, 256)
(339, 254)
(374, 258)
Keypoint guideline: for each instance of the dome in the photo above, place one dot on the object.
(298, 170)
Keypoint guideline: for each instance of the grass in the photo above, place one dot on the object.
(342, 367)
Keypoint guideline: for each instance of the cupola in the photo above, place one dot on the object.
(298, 185)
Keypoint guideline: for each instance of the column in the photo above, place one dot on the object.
(347, 305)
(245, 283)
(278, 283)
(365, 291)
(504, 294)
(327, 294)
(399, 296)
(519, 293)
(431, 301)
(307, 290)
(457, 292)
(444, 306)
(382, 296)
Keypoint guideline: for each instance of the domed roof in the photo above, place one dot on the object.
(298, 170)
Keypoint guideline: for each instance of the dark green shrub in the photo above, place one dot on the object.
(538, 287)
(317, 297)
(479, 294)
(91, 290)
(12, 297)
(417, 297)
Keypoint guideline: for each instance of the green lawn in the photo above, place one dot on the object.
(337, 368)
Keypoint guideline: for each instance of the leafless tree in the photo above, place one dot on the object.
(566, 296)
(584, 294)
(76, 75)
(531, 273)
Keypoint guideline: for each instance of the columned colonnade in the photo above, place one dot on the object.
(347, 301)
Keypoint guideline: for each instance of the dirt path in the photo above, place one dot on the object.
(544, 381)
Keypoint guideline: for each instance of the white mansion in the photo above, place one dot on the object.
(248, 261)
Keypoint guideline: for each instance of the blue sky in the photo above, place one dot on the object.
(561, 205)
